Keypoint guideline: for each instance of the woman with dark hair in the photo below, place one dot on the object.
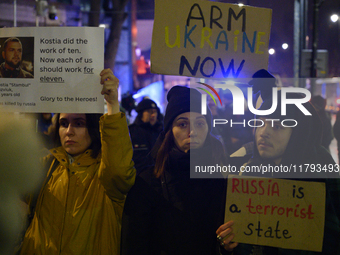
(80, 204)
(168, 211)
(92, 124)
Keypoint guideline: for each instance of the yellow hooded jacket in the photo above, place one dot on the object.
(79, 210)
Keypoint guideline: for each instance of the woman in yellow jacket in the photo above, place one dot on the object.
(79, 208)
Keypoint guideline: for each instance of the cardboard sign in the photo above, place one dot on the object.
(209, 39)
(58, 70)
(276, 212)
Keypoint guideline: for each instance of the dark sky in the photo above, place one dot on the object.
(282, 31)
(329, 34)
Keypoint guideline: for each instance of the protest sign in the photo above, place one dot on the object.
(58, 70)
(209, 39)
(276, 212)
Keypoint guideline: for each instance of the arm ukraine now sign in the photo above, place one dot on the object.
(209, 39)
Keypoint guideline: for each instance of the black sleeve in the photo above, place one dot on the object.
(141, 148)
(140, 158)
(138, 219)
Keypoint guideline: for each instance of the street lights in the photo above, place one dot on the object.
(334, 18)
(285, 46)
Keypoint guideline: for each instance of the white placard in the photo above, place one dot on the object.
(65, 63)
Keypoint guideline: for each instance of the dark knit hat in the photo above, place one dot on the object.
(180, 100)
(146, 104)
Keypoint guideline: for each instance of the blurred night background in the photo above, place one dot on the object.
(299, 27)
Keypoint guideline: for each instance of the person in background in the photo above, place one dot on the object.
(143, 71)
(12, 54)
(327, 133)
(44, 123)
(167, 211)
(80, 204)
(275, 144)
(144, 132)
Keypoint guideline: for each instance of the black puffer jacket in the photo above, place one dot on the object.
(176, 214)
(143, 138)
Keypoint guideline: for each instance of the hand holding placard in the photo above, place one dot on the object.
(225, 236)
(66, 63)
(276, 212)
(110, 90)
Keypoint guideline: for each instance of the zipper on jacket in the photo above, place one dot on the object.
(164, 187)
(64, 217)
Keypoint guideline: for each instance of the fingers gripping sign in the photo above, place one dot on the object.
(110, 90)
(225, 236)
(110, 85)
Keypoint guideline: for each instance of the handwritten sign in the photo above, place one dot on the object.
(51, 69)
(209, 39)
(275, 212)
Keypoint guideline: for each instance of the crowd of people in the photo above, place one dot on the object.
(114, 188)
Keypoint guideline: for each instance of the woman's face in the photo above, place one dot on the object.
(73, 132)
(190, 130)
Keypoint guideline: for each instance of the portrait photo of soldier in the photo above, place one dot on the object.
(16, 64)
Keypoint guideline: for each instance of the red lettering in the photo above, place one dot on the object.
(246, 184)
(258, 208)
(310, 213)
(296, 210)
(275, 189)
(269, 181)
(250, 206)
(236, 182)
(289, 210)
(260, 185)
(265, 209)
(254, 186)
(278, 211)
(273, 209)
